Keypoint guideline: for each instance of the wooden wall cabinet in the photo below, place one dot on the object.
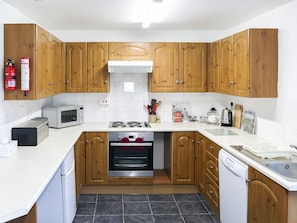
(255, 67)
(214, 72)
(129, 51)
(192, 67)
(46, 54)
(182, 166)
(165, 69)
(86, 67)
(178, 67)
(96, 158)
(227, 65)
(249, 64)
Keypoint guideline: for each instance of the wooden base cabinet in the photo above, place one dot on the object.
(207, 177)
(31, 217)
(96, 158)
(268, 201)
(180, 158)
(80, 163)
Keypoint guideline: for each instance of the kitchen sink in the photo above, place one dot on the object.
(221, 132)
(288, 169)
(285, 166)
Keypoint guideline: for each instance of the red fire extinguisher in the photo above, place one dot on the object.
(10, 76)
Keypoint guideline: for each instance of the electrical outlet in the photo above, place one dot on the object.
(103, 101)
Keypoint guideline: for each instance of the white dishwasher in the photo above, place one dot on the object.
(233, 175)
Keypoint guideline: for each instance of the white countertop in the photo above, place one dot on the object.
(25, 174)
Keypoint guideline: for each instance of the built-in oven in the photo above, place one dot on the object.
(131, 153)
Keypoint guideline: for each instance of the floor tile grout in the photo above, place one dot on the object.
(181, 208)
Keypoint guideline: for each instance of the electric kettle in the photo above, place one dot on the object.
(226, 117)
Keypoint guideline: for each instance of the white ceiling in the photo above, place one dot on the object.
(129, 14)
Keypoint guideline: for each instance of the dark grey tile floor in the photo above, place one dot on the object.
(142, 208)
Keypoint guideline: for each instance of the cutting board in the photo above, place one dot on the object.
(237, 115)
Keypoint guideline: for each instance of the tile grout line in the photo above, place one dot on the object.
(94, 214)
(151, 208)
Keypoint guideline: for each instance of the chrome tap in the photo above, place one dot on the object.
(293, 146)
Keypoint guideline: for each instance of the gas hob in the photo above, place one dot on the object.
(129, 124)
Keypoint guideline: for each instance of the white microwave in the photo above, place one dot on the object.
(60, 116)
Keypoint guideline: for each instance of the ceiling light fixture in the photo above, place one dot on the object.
(152, 12)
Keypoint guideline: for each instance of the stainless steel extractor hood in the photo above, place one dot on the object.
(130, 67)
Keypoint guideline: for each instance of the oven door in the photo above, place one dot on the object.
(131, 159)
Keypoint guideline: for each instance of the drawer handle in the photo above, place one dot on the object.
(211, 167)
(211, 192)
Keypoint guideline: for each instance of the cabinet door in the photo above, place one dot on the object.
(98, 76)
(44, 76)
(214, 67)
(76, 67)
(129, 51)
(227, 65)
(192, 69)
(96, 158)
(267, 201)
(80, 163)
(183, 158)
(57, 67)
(200, 162)
(241, 64)
(165, 70)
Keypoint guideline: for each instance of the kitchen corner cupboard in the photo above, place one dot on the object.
(268, 201)
(214, 74)
(80, 163)
(86, 67)
(178, 67)
(46, 53)
(250, 63)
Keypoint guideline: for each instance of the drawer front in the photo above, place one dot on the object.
(212, 167)
(213, 148)
(212, 191)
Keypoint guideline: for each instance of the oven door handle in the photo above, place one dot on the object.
(130, 157)
(131, 144)
(130, 165)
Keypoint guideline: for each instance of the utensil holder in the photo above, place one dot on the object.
(152, 118)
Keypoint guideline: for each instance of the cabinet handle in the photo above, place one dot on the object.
(67, 82)
(211, 192)
(106, 81)
(181, 82)
(211, 167)
(231, 83)
(177, 82)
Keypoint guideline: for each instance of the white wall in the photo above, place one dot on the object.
(276, 118)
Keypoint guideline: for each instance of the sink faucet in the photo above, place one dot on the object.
(293, 146)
